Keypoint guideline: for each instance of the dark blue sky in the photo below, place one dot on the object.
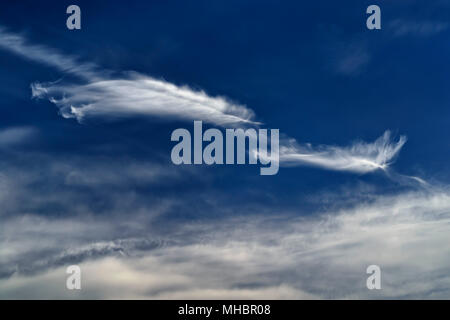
(311, 69)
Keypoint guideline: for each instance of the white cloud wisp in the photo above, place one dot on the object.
(360, 157)
(139, 95)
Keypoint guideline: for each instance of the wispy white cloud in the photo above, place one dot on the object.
(138, 95)
(401, 27)
(19, 45)
(132, 95)
(359, 157)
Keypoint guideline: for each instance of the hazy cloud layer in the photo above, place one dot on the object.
(249, 257)
(32, 182)
(16, 135)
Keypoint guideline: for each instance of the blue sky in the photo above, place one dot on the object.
(97, 188)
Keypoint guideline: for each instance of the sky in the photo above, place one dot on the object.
(86, 176)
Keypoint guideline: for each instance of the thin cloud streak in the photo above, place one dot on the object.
(402, 27)
(361, 157)
(49, 56)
